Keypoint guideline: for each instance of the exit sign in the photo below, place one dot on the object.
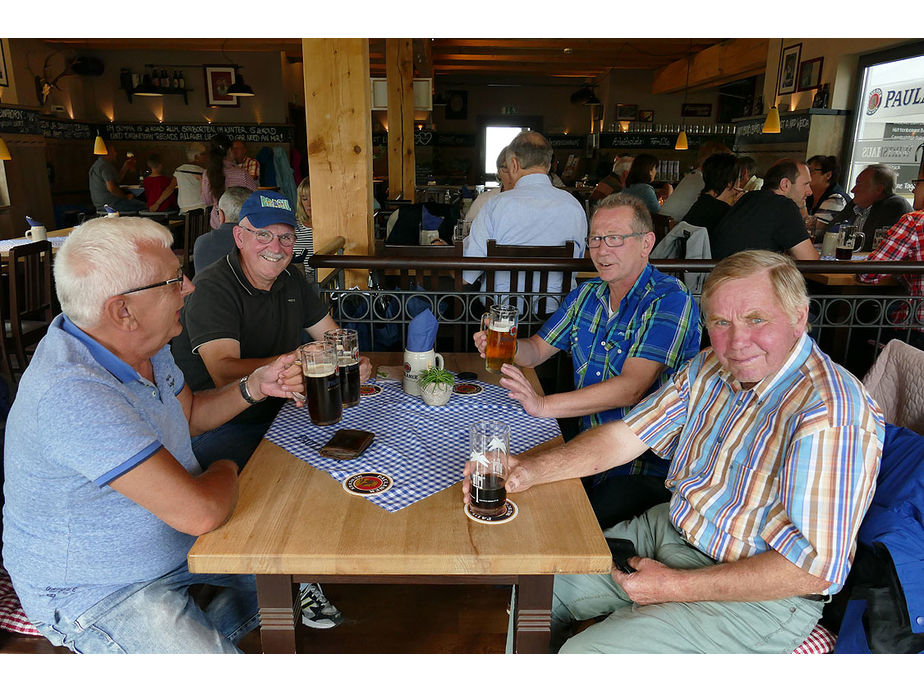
(509, 110)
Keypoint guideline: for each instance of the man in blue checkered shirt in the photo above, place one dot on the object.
(627, 331)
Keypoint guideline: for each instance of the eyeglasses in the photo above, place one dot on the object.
(264, 237)
(815, 170)
(615, 240)
(178, 279)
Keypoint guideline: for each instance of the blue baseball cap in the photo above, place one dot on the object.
(265, 207)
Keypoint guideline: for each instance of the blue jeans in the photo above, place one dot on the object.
(160, 617)
(231, 441)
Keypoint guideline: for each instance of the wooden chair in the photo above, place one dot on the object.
(196, 224)
(31, 299)
(530, 276)
(662, 224)
(431, 280)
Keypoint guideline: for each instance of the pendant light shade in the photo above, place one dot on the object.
(4, 152)
(99, 147)
(772, 123)
(240, 88)
(681, 142)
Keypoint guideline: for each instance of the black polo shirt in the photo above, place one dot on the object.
(265, 323)
(707, 212)
(761, 220)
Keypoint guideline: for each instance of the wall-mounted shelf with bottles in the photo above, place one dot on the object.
(154, 82)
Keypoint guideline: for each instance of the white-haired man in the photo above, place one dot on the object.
(104, 497)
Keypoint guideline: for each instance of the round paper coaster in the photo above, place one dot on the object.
(367, 483)
(467, 389)
(369, 390)
(510, 512)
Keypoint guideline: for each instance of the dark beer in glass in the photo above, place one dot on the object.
(347, 345)
(489, 442)
(322, 383)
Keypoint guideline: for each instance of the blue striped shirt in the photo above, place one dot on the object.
(657, 320)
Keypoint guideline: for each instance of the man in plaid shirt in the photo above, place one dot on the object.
(774, 454)
(628, 331)
(905, 241)
(250, 166)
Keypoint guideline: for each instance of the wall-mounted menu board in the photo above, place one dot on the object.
(20, 121)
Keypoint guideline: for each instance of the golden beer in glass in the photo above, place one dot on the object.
(500, 324)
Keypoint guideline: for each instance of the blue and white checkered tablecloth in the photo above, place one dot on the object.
(423, 449)
(56, 242)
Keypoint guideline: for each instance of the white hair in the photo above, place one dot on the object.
(100, 259)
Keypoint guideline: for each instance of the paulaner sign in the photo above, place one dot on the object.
(901, 98)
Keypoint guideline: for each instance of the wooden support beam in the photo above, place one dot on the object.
(339, 133)
(399, 62)
(722, 63)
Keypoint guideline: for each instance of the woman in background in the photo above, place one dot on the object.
(304, 238)
(638, 183)
(827, 198)
(221, 173)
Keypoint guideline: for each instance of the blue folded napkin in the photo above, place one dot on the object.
(430, 222)
(421, 331)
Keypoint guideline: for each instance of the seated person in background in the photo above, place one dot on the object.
(217, 243)
(159, 190)
(719, 179)
(221, 173)
(875, 203)
(774, 451)
(104, 502)
(104, 182)
(747, 176)
(638, 182)
(241, 160)
(304, 237)
(615, 181)
(188, 178)
(503, 177)
(533, 212)
(827, 198)
(689, 188)
(769, 218)
(905, 242)
(248, 308)
(628, 331)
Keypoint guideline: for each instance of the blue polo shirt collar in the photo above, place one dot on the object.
(534, 179)
(105, 358)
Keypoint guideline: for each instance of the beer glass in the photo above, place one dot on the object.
(322, 382)
(500, 323)
(347, 345)
(848, 240)
(489, 441)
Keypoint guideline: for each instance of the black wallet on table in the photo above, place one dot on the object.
(347, 444)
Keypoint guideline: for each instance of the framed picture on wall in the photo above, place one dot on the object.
(4, 78)
(218, 80)
(789, 69)
(646, 116)
(626, 111)
(810, 74)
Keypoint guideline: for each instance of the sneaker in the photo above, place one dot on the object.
(317, 612)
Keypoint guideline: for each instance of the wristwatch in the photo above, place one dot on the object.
(244, 393)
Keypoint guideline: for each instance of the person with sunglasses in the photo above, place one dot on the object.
(104, 496)
(250, 307)
(627, 331)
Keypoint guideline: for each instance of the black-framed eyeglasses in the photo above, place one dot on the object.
(616, 240)
(178, 279)
(264, 237)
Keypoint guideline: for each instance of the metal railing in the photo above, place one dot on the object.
(849, 324)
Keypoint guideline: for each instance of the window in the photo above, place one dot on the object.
(495, 139)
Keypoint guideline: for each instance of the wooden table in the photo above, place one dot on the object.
(51, 234)
(294, 523)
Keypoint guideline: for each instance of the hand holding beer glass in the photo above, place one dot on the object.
(500, 327)
(489, 442)
(347, 344)
(322, 382)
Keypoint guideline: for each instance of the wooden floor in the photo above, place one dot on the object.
(381, 619)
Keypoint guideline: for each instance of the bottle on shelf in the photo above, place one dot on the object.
(155, 78)
(182, 80)
(176, 80)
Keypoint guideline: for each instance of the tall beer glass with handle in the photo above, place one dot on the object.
(500, 324)
(347, 344)
(322, 382)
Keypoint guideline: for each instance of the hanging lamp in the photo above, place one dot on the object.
(99, 147)
(4, 151)
(240, 88)
(681, 143)
(772, 123)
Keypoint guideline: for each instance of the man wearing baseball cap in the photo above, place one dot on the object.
(248, 308)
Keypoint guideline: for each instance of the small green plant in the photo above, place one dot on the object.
(436, 376)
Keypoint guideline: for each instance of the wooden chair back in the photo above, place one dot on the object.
(31, 297)
(662, 224)
(449, 279)
(196, 224)
(535, 251)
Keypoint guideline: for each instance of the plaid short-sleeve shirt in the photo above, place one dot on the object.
(788, 465)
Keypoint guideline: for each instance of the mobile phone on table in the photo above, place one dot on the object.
(622, 550)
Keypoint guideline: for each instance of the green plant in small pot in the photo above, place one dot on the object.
(436, 386)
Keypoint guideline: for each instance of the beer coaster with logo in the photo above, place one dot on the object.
(510, 512)
(367, 483)
(370, 390)
(467, 389)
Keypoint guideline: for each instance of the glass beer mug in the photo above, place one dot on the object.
(320, 368)
(500, 324)
(849, 239)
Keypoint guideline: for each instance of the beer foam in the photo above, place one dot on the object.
(318, 370)
(502, 325)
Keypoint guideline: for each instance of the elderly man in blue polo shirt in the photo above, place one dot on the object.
(628, 331)
(104, 497)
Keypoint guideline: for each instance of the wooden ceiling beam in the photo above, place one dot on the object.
(722, 63)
